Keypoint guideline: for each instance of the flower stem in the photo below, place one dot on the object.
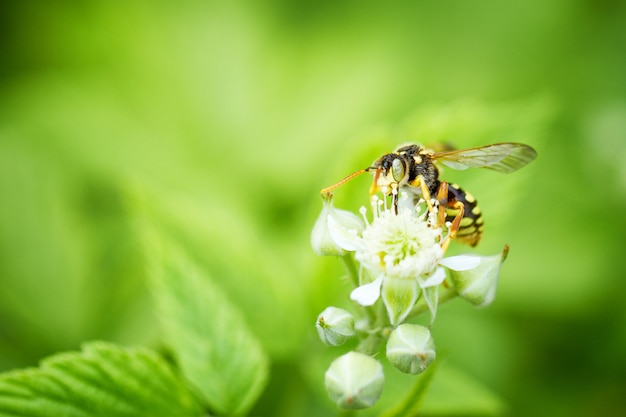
(370, 345)
(353, 273)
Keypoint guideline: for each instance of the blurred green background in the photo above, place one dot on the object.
(218, 122)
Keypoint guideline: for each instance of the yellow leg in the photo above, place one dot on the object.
(456, 223)
(425, 193)
(442, 197)
(454, 227)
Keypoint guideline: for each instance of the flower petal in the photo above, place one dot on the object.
(346, 238)
(461, 262)
(367, 294)
(431, 297)
(435, 279)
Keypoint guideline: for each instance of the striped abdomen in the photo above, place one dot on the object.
(471, 228)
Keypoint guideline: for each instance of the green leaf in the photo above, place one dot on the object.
(210, 340)
(101, 380)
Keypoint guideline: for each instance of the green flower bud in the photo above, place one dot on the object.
(355, 381)
(410, 348)
(321, 240)
(478, 285)
(335, 326)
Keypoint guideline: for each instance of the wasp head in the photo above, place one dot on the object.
(390, 172)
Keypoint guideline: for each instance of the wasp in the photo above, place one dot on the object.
(413, 169)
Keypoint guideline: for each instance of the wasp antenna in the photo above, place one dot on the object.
(343, 181)
(374, 186)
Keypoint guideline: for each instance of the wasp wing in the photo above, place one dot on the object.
(501, 157)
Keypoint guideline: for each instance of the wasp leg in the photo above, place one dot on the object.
(456, 223)
(425, 193)
(394, 197)
(442, 197)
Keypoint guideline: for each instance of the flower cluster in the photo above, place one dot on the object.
(401, 262)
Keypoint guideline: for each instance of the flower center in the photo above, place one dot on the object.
(402, 245)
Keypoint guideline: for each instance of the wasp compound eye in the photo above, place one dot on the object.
(397, 169)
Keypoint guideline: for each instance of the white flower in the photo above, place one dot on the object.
(400, 256)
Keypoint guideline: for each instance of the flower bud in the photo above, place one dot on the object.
(321, 240)
(355, 381)
(410, 348)
(335, 326)
(478, 285)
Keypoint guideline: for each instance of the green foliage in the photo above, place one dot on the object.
(101, 380)
(227, 118)
(454, 392)
(209, 338)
